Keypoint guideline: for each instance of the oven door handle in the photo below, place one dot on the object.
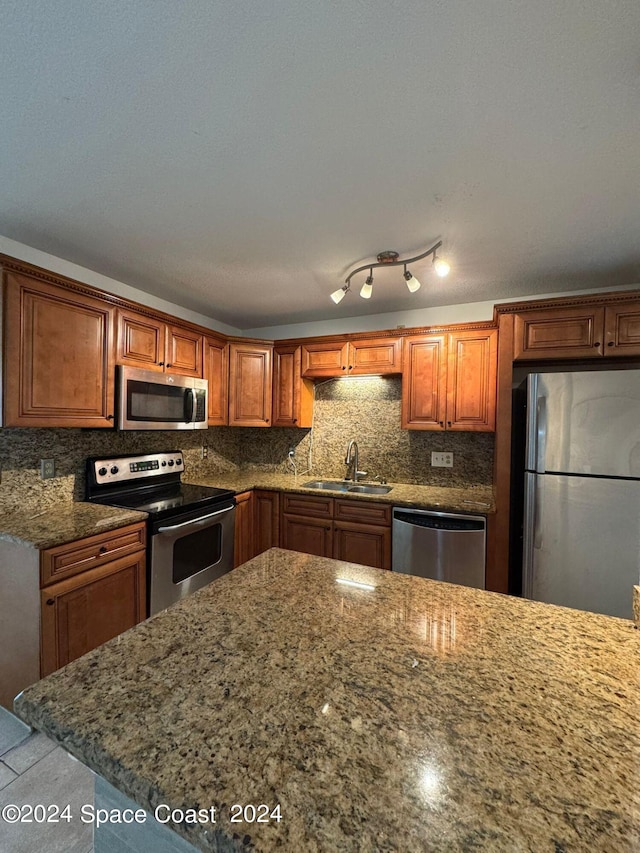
(195, 521)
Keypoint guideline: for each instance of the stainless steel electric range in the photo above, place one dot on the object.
(190, 527)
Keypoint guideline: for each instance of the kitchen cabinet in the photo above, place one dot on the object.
(378, 355)
(148, 342)
(243, 540)
(59, 355)
(352, 530)
(292, 395)
(250, 384)
(266, 520)
(92, 590)
(449, 381)
(590, 331)
(216, 372)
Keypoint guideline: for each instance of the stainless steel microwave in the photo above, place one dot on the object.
(154, 400)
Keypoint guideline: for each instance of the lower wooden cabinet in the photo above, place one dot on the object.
(266, 520)
(243, 537)
(351, 530)
(82, 612)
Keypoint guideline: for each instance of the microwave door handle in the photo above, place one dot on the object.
(189, 405)
(194, 521)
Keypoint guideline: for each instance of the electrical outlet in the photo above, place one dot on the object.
(205, 452)
(441, 460)
(47, 468)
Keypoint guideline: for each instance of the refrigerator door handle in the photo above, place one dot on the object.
(528, 538)
(541, 435)
(538, 511)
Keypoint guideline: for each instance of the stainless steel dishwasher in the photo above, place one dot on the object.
(439, 545)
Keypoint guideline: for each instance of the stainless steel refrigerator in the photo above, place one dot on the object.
(582, 490)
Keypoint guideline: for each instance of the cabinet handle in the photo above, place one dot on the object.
(610, 344)
(50, 601)
(597, 344)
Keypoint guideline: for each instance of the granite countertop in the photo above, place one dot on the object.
(475, 498)
(63, 522)
(405, 714)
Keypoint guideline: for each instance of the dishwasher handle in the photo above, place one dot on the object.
(438, 522)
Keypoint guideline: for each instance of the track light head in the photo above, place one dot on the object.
(412, 282)
(440, 266)
(367, 287)
(338, 295)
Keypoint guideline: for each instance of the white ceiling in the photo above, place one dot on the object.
(240, 158)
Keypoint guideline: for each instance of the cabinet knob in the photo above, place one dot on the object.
(161, 363)
(597, 344)
(169, 365)
(350, 367)
(448, 423)
(344, 367)
(109, 417)
(295, 420)
(610, 344)
(103, 549)
(50, 601)
(441, 423)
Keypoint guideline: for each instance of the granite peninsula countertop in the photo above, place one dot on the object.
(402, 714)
(63, 522)
(471, 499)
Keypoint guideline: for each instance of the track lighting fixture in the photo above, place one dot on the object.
(391, 259)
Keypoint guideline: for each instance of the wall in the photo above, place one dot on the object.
(367, 409)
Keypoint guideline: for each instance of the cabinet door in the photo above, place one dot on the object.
(559, 333)
(59, 351)
(471, 380)
(266, 518)
(324, 358)
(292, 395)
(364, 544)
(85, 611)
(216, 371)
(622, 329)
(243, 542)
(183, 353)
(309, 535)
(140, 340)
(375, 356)
(424, 377)
(250, 385)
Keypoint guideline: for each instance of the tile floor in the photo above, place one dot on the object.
(34, 770)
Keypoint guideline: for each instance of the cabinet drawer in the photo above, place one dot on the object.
(364, 512)
(70, 559)
(320, 507)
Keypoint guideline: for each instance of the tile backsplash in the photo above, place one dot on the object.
(366, 409)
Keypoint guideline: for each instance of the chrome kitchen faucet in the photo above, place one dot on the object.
(351, 459)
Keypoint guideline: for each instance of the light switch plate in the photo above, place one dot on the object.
(441, 460)
(47, 468)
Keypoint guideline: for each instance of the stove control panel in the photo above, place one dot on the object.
(107, 471)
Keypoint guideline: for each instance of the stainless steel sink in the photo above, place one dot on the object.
(365, 489)
(352, 488)
(334, 485)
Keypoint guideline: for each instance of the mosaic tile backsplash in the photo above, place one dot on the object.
(366, 409)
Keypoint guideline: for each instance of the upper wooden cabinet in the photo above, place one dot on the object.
(216, 372)
(150, 343)
(357, 357)
(292, 394)
(579, 331)
(59, 356)
(449, 381)
(250, 384)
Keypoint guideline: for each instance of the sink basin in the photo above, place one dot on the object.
(352, 488)
(334, 485)
(365, 489)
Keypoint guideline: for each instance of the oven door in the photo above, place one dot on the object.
(187, 555)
